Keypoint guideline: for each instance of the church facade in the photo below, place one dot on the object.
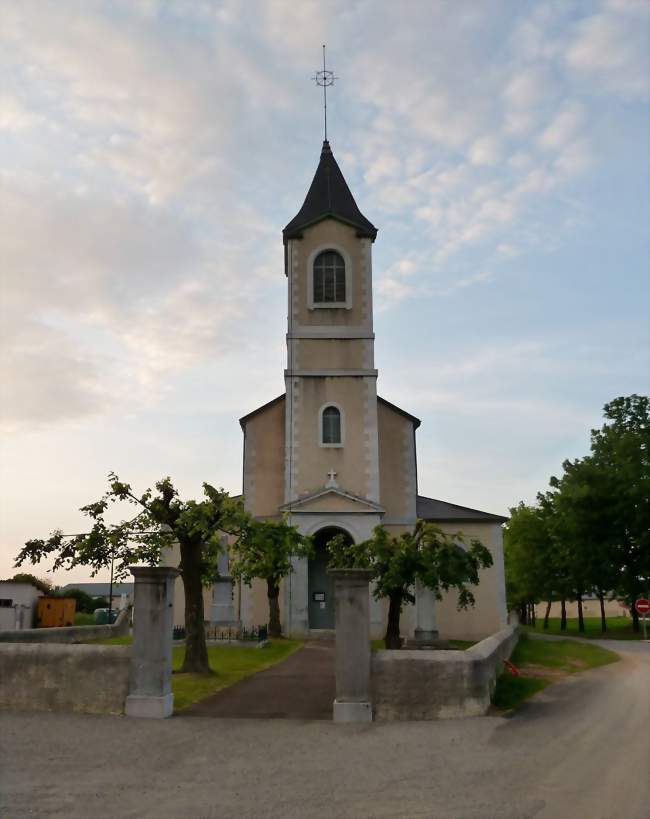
(330, 453)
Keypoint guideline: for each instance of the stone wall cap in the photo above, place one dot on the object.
(154, 572)
(350, 574)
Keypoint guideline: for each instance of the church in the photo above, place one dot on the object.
(333, 455)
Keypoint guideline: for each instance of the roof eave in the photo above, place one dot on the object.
(296, 232)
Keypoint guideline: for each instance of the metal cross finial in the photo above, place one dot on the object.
(324, 78)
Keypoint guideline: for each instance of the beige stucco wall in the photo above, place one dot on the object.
(331, 502)
(331, 354)
(264, 461)
(590, 608)
(489, 615)
(330, 234)
(313, 461)
(397, 477)
(172, 557)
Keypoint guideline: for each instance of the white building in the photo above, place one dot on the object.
(17, 605)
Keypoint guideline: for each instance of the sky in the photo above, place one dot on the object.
(151, 153)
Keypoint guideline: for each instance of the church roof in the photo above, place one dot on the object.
(245, 418)
(395, 408)
(329, 196)
(438, 511)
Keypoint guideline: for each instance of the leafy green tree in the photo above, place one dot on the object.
(621, 449)
(584, 521)
(84, 601)
(562, 562)
(528, 554)
(265, 552)
(438, 560)
(41, 583)
(162, 520)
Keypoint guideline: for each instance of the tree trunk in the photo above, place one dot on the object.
(533, 620)
(392, 638)
(635, 618)
(603, 619)
(196, 649)
(523, 614)
(563, 615)
(546, 614)
(273, 593)
(581, 619)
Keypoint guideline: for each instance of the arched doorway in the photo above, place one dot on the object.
(320, 585)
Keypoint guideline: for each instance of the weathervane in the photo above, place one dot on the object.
(324, 78)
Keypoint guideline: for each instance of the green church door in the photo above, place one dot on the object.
(320, 584)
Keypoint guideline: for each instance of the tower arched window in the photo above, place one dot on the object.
(329, 278)
(331, 426)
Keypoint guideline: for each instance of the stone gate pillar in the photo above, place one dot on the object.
(351, 591)
(150, 676)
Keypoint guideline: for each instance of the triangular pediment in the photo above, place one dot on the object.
(332, 499)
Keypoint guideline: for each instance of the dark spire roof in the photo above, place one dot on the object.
(329, 195)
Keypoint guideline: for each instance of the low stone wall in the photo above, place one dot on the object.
(69, 634)
(90, 679)
(424, 685)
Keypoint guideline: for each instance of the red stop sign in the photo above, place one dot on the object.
(642, 605)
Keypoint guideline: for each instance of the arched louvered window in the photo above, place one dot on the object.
(331, 426)
(329, 277)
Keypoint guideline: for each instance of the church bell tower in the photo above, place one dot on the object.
(331, 438)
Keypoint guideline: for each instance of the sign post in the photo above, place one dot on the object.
(642, 606)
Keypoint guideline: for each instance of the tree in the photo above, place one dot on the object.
(562, 563)
(621, 449)
(85, 602)
(162, 520)
(528, 554)
(41, 583)
(583, 520)
(265, 551)
(438, 560)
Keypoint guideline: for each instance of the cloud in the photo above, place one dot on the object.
(563, 128)
(610, 49)
(45, 378)
(14, 115)
(485, 151)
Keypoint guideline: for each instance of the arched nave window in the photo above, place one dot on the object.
(329, 277)
(331, 426)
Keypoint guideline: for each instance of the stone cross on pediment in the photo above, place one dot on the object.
(332, 479)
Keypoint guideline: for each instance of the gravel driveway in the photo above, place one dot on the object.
(579, 749)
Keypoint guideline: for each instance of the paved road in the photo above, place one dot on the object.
(301, 687)
(579, 749)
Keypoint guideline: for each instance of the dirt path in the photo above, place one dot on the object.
(301, 687)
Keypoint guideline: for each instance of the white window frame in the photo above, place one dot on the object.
(329, 305)
(320, 426)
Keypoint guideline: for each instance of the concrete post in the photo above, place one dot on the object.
(352, 703)
(426, 632)
(150, 675)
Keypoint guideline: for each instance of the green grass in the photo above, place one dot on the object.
(510, 691)
(462, 645)
(229, 663)
(378, 645)
(560, 657)
(113, 641)
(83, 619)
(618, 628)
